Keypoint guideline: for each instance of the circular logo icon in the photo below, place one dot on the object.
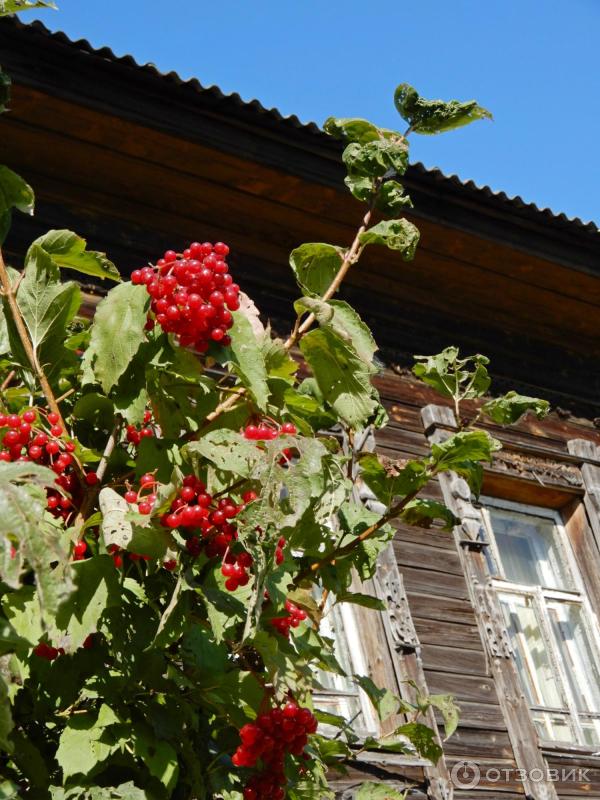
(465, 775)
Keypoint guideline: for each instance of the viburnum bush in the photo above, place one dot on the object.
(179, 506)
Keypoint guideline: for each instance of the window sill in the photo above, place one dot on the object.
(572, 751)
(384, 759)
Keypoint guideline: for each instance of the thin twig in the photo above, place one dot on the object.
(8, 380)
(352, 255)
(339, 552)
(9, 293)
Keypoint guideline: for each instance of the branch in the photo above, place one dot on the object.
(9, 292)
(339, 552)
(351, 257)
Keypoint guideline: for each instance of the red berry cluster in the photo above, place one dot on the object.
(145, 497)
(270, 738)
(36, 435)
(292, 619)
(49, 653)
(135, 433)
(192, 294)
(268, 430)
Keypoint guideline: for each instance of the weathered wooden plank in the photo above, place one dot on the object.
(419, 555)
(454, 659)
(476, 743)
(467, 688)
(442, 608)
(422, 581)
(465, 637)
(432, 538)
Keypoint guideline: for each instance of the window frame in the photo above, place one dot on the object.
(540, 597)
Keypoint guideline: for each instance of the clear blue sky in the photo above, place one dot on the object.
(533, 63)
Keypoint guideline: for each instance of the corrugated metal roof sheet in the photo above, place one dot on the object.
(234, 101)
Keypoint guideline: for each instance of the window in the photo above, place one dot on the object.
(342, 695)
(553, 631)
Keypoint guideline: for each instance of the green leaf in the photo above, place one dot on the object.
(305, 408)
(361, 186)
(449, 710)
(5, 84)
(96, 589)
(48, 307)
(158, 756)
(435, 116)
(351, 129)
(376, 159)
(378, 791)
(248, 359)
(422, 513)
(342, 376)
(391, 198)
(315, 266)
(385, 702)
(14, 192)
(511, 407)
(359, 599)
(14, 6)
(341, 319)
(86, 741)
(412, 477)
(35, 539)
(116, 333)
(67, 250)
(451, 376)
(95, 409)
(227, 450)
(120, 526)
(397, 234)
(10, 641)
(423, 739)
(180, 394)
(464, 446)
(6, 721)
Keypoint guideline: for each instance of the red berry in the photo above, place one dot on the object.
(56, 430)
(147, 479)
(53, 418)
(30, 415)
(144, 508)
(91, 478)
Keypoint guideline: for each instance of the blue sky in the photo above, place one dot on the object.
(533, 63)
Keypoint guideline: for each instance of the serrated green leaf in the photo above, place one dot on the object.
(376, 159)
(359, 599)
(423, 739)
(96, 589)
(435, 116)
(305, 408)
(378, 791)
(449, 710)
(315, 266)
(422, 513)
(384, 702)
(36, 540)
(86, 742)
(342, 320)
(6, 720)
(68, 250)
(412, 477)
(14, 191)
(48, 307)
(116, 333)
(342, 375)
(14, 6)
(95, 409)
(122, 527)
(452, 376)
(397, 234)
(158, 756)
(248, 360)
(511, 407)
(464, 446)
(351, 129)
(227, 450)
(391, 198)
(361, 186)
(10, 641)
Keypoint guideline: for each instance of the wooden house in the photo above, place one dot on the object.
(503, 612)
